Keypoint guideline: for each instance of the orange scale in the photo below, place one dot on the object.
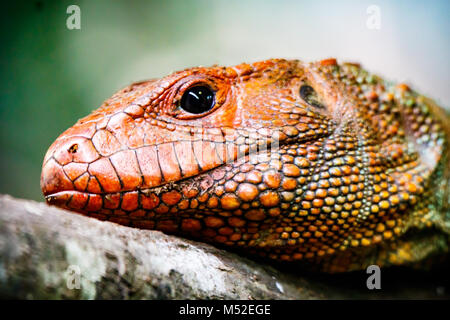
(78, 201)
(112, 201)
(149, 201)
(130, 201)
(138, 214)
(95, 203)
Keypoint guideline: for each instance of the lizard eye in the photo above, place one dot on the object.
(310, 96)
(198, 99)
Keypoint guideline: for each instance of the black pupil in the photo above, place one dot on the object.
(197, 100)
(309, 95)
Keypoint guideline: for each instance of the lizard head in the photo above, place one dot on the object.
(289, 160)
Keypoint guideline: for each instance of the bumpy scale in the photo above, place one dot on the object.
(315, 162)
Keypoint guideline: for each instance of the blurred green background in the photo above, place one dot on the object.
(52, 76)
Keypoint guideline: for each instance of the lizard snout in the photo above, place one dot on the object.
(66, 164)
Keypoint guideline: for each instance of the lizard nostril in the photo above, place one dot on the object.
(73, 148)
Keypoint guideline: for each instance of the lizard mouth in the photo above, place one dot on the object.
(160, 198)
(146, 198)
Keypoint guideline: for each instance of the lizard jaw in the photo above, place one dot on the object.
(58, 185)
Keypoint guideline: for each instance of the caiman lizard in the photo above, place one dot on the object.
(320, 162)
